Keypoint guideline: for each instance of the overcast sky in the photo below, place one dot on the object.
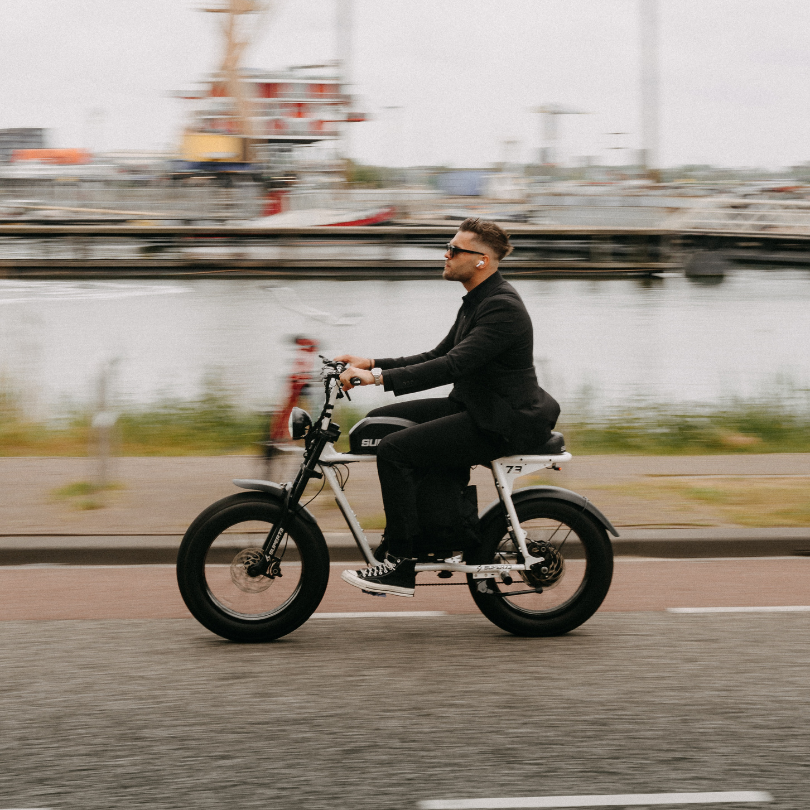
(463, 75)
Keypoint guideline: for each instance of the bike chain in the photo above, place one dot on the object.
(439, 584)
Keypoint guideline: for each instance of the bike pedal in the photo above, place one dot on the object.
(373, 593)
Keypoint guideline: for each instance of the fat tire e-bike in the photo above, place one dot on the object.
(254, 566)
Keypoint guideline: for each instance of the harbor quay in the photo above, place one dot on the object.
(160, 251)
(182, 251)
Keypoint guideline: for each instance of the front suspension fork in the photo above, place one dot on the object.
(292, 497)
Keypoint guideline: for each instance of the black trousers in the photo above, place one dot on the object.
(445, 436)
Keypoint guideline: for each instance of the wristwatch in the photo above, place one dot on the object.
(377, 374)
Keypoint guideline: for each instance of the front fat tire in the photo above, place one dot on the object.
(589, 570)
(195, 569)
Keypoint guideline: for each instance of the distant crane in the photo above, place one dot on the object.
(239, 32)
(550, 131)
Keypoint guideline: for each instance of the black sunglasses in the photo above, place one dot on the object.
(452, 250)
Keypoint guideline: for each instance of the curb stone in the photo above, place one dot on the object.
(161, 549)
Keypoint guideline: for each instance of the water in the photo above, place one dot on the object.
(598, 343)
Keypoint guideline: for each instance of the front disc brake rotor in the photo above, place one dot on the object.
(547, 573)
(240, 577)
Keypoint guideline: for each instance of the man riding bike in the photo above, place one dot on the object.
(495, 408)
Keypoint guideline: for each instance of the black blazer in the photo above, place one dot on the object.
(488, 355)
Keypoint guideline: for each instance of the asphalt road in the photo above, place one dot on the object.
(379, 713)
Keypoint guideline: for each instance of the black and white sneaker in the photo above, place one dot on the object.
(394, 575)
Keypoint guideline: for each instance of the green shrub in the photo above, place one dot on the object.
(735, 427)
(213, 424)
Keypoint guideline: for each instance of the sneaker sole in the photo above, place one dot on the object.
(394, 590)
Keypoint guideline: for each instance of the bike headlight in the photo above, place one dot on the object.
(300, 422)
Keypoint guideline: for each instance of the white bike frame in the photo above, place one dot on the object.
(505, 471)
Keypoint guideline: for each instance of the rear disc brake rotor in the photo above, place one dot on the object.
(547, 573)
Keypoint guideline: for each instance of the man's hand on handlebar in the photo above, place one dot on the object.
(363, 363)
(354, 373)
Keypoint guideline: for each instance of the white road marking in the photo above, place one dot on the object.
(69, 566)
(617, 800)
(381, 614)
(762, 609)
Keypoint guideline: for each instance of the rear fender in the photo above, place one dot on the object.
(276, 491)
(552, 493)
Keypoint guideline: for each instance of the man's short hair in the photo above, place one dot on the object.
(492, 235)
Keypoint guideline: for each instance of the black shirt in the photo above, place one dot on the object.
(488, 355)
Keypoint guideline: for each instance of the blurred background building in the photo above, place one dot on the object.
(12, 140)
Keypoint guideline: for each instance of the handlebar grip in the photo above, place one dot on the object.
(355, 381)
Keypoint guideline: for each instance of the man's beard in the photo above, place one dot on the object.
(450, 274)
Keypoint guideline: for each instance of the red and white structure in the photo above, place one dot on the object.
(300, 105)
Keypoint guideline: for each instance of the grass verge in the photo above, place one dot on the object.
(213, 425)
(772, 502)
(84, 495)
(737, 427)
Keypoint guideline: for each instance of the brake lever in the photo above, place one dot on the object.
(333, 364)
(355, 381)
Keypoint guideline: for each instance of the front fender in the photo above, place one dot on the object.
(274, 489)
(553, 493)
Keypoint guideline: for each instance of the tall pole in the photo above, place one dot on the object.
(343, 13)
(550, 133)
(648, 12)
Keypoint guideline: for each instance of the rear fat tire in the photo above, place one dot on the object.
(576, 599)
(310, 575)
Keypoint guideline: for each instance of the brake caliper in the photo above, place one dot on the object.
(252, 572)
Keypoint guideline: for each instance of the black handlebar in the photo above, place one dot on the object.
(339, 368)
(333, 364)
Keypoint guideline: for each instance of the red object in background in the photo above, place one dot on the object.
(297, 381)
(274, 203)
(383, 215)
(269, 90)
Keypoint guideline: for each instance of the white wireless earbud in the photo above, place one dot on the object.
(480, 264)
